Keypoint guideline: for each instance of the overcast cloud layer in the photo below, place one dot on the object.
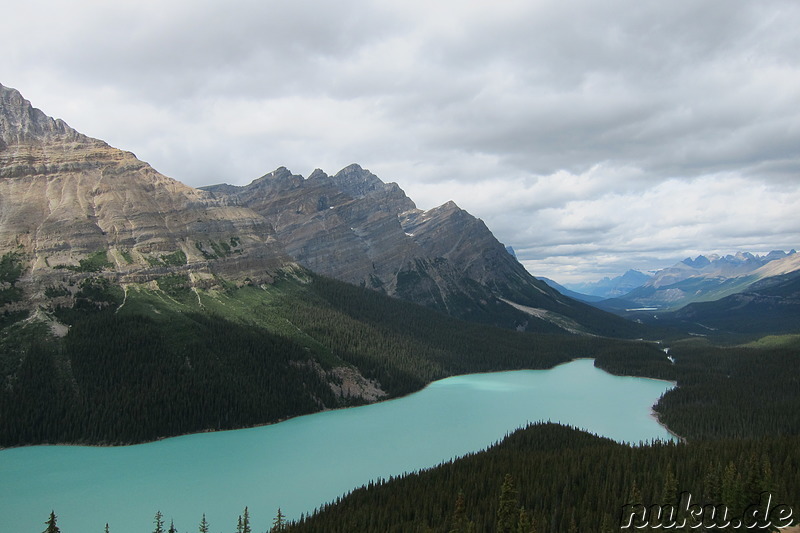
(591, 136)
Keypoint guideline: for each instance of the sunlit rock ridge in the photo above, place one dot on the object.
(65, 197)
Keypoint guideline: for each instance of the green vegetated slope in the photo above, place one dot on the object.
(770, 306)
(148, 361)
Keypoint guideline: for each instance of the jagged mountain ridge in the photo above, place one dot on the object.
(715, 266)
(354, 227)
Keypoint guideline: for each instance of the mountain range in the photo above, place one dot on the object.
(122, 290)
(66, 198)
(610, 287)
(704, 279)
(725, 297)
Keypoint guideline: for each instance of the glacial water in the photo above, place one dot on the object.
(304, 462)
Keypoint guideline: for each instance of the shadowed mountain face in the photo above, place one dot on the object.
(353, 227)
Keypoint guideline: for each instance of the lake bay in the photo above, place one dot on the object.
(304, 462)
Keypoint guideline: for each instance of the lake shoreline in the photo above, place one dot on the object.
(310, 460)
(378, 401)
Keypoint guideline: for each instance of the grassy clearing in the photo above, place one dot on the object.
(775, 341)
(262, 308)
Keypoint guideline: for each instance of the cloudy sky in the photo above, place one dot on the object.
(592, 136)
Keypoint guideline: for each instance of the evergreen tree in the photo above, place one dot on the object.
(525, 524)
(669, 493)
(203, 525)
(278, 523)
(669, 499)
(51, 524)
(172, 527)
(106, 529)
(246, 521)
(767, 482)
(507, 512)
(635, 496)
(459, 515)
(159, 522)
(732, 488)
(573, 527)
(605, 526)
(711, 485)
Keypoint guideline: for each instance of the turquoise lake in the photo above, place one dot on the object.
(304, 462)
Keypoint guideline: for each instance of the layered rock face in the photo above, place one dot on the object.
(65, 196)
(344, 226)
(354, 227)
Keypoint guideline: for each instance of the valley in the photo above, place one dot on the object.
(135, 308)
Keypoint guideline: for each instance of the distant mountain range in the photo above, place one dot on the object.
(704, 279)
(572, 294)
(610, 287)
(768, 306)
(730, 296)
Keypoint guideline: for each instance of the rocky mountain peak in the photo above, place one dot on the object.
(20, 122)
(279, 174)
(356, 181)
(73, 206)
(698, 262)
(450, 205)
(318, 174)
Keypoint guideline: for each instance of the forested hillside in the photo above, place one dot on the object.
(736, 407)
(568, 481)
(140, 363)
